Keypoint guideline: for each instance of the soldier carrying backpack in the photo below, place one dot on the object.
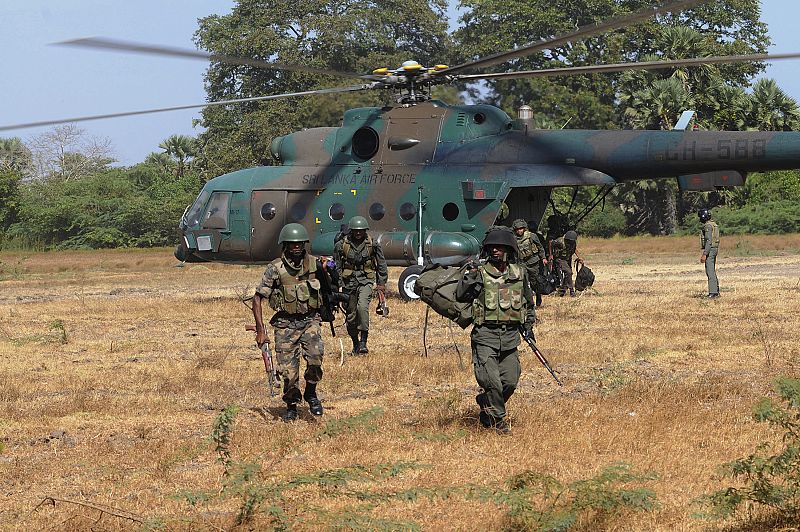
(502, 308)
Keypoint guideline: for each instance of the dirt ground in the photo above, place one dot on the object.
(114, 366)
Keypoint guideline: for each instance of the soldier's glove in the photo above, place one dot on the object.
(527, 332)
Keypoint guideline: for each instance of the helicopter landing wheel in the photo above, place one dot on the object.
(405, 285)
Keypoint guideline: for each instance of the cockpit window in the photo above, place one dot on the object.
(193, 216)
(216, 215)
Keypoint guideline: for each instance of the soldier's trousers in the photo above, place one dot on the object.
(711, 272)
(293, 339)
(357, 309)
(497, 372)
(565, 268)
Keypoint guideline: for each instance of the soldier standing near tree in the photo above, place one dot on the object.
(531, 254)
(709, 243)
(292, 287)
(362, 268)
(502, 308)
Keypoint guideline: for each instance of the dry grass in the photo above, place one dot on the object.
(115, 406)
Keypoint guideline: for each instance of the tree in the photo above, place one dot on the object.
(65, 152)
(341, 35)
(9, 199)
(181, 148)
(772, 109)
(15, 157)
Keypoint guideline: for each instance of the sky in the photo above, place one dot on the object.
(44, 82)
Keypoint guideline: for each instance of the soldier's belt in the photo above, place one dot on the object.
(501, 325)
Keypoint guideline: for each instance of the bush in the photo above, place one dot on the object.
(605, 223)
(775, 217)
(771, 481)
(773, 186)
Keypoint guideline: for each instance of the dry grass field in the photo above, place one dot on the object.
(114, 366)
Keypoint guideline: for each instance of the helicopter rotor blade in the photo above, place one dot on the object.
(104, 43)
(334, 90)
(619, 67)
(580, 33)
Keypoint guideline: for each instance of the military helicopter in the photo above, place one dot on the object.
(431, 177)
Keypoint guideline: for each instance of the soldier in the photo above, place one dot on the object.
(502, 307)
(561, 251)
(531, 254)
(292, 286)
(362, 267)
(709, 243)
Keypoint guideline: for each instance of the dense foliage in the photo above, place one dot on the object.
(135, 207)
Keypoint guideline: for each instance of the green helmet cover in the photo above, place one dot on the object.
(293, 233)
(519, 223)
(571, 235)
(358, 222)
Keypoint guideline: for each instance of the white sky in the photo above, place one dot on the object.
(42, 82)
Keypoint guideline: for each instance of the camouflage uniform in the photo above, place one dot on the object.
(502, 302)
(361, 267)
(293, 291)
(709, 243)
(563, 249)
(532, 255)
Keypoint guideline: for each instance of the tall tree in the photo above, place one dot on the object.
(772, 109)
(342, 35)
(182, 148)
(15, 157)
(66, 152)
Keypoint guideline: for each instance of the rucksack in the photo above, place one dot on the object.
(548, 282)
(436, 287)
(584, 278)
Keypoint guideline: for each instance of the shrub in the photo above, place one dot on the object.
(770, 481)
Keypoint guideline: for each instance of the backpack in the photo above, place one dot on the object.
(584, 278)
(548, 282)
(436, 287)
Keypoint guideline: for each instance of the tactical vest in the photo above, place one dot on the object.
(564, 248)
(714, 235)
(526, 246)
(358, 262)
(502, 298)
(299, 291)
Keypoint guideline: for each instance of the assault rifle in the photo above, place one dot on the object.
(269, 366)
(539, 354)
(329, 305)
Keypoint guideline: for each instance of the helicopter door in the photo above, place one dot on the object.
(267, 217)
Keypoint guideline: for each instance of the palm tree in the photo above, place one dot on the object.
(772, 109)
(15, 156)
(182, 148)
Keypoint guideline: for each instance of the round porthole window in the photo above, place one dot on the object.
(479, 118)
(365, 142)
(450, 211)
(377, 211)
(268, 211)
(408, 211)
(336, 212)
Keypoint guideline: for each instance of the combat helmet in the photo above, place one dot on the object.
(519, 223)
(571, 235)
(501, 236)
(358, 222)
(704, 215)
(293, 233)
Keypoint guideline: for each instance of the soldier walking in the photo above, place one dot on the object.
(561, 250)
(362, 268)
(709, 243)
(292, 287)
(502, 307)
(531, 255)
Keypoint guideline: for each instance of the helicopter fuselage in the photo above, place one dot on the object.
(442, 172)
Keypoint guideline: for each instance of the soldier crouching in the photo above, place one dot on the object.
(292, 286)
(502, 308)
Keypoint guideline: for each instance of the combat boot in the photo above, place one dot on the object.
(291, 413)
(362, 345)
(310, 395)
(354, 338)
(501, 427)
